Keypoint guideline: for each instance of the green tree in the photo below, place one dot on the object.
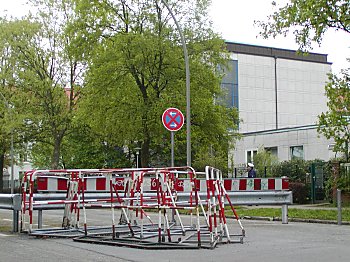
(308, 19)
(264, 159)
(44, 68)
(136, 71)
(335, 123)
(85, 149)
(8, 114)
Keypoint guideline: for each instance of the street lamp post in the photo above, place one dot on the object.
(12, 164)
(188, 106)
(11, 152)
(137, 156)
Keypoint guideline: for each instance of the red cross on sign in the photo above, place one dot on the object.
(173, 119)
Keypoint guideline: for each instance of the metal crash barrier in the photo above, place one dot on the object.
(133, 193)
(12, 202)
(150, 203)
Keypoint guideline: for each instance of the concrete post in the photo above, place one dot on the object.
(339, 206)
(284, 214)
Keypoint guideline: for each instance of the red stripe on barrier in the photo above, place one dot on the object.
(198, 184)
(119, 183)
(154, 184)
(285, 183)
(211, 185)
(179, 185)
(228, 185)
(243, 184)
(271, 184)
(62, 184)
(101, 183)
(42, 183)
(257, 184)
(84, 183)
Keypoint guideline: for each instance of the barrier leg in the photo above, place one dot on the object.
(284, 214)
(15, 216)
(40, 218)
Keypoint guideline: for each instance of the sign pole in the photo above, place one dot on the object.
(173, 120)
(172, 165)
(172, 148)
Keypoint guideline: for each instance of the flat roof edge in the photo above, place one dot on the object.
(248, 49)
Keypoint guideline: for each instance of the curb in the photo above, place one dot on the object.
(319, 221)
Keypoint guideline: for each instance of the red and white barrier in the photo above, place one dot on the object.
(256, 184)
(101, 183)
(126, 188)
(52, 184)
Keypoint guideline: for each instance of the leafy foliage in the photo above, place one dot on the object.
(335, 122)
(295, 170)
(301, 192)
(44, 66)
(309, 20)
(265, 159)
(136, 71)
(122, 65)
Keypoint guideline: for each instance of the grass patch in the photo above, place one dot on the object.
(321, 214)
(4, 228)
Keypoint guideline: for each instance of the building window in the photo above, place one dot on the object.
(272, 150)
(229, 85)
(250, 154)
(296, 152)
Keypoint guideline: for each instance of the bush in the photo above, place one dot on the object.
(300, 192)
(295, 170)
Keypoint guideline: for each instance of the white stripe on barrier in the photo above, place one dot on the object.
(52, 184)
(203, 185)
(235, 185)
(278, 184)
(187, 185)
(250, 184)
(264, 184)
(147, 184)
(90, 183)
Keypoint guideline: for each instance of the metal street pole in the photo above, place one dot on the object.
(137, 159)
(188, 106)
(12, 164)
(137, 156)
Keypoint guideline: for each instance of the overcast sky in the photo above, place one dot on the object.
(234, 19)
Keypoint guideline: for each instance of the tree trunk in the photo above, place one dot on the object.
(55, 160)
(145, 151)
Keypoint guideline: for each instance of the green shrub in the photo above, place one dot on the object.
(265, 159)
(295, 170)
(300, 192)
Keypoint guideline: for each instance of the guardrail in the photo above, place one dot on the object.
(12, 202)
(283, 198)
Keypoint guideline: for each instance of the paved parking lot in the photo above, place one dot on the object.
(264, 241)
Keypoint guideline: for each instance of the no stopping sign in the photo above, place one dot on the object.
(173, 119)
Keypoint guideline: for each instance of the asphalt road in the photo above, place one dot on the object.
(264, 241)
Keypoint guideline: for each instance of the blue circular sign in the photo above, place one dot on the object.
(173, 119)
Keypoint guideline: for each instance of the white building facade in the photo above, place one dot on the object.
(279, 94)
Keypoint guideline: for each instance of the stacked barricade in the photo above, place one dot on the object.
(133, 193)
